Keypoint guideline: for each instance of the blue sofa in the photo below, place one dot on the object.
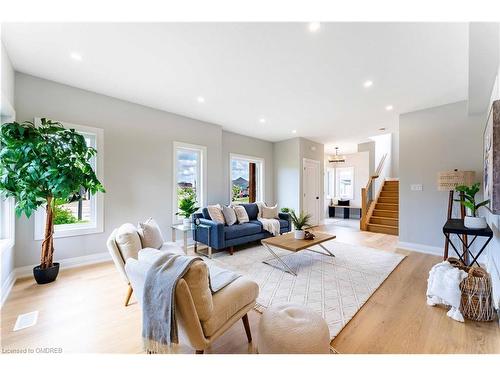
(227, 236)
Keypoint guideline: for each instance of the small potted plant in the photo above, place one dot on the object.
(285, 210)
(187, 205)
(41, 166)
(468, 200)
(300, 223)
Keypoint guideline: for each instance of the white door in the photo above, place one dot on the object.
(310, 185)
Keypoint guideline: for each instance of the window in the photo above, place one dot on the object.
(247, 179)
(189, 173)
(81, 216)
(7, 220)
(344, 182)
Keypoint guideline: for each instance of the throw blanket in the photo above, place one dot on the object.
(443, 287)
(159, 324)
(270, 225)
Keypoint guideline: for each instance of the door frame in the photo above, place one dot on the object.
(318, 165)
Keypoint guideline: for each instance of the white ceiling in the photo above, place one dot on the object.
(295, 79)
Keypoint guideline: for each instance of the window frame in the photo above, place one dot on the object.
(79, 229)
(260, 190)
(7, 226)
(202, 174)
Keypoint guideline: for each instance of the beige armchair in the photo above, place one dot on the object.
(124, 243)
(202, 317)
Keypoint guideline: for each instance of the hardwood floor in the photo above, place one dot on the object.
(83, 311)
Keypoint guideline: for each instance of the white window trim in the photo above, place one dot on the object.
(252, 159)
(70, 230)
(203, 176)
(7, 231)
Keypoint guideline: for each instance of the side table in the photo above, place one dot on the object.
(185, 229)
(456, 226)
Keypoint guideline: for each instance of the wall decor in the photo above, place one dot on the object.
(491, 159)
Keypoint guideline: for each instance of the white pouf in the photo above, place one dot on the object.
(292, 329)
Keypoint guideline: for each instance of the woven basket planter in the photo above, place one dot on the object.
(476, 301)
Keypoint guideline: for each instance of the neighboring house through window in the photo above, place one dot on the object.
(85, 215)
(246, 179)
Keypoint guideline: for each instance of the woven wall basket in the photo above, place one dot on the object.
(476, 299)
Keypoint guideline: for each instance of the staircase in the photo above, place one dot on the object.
(385, 215)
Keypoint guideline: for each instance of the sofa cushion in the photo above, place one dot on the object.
(197, 280)
(241, 214)
(283, 223)
(229, 215)
(128, 241)
(241, 230)
(252, 210)
(229, 301)
(150, 234)
(216, 214)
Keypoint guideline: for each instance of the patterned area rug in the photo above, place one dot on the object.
(335, 287)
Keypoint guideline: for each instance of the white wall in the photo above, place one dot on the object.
(287, 171)
(432, 140)
(7, 113)
(138, 161)
(383, 146)
(360, 161)
(239, 144)
(395, 155)
(370, 148)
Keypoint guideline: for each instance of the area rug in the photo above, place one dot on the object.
(335, 287)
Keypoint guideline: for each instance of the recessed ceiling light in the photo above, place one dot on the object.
(368, 83)
(294, 131)
(262, 120)
(389, 108)
(381, 129)
(314, 26)
(200, 99)
(76, 56)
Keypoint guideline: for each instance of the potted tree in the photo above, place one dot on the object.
(468, 200)
(40, 165)
(187, 204)
(300, 223)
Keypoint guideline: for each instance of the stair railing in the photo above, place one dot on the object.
(367, 196)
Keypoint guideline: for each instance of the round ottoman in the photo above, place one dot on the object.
(292, 329)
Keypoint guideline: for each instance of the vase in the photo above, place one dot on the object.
(299, 234)
(186, 222)
(473, 222)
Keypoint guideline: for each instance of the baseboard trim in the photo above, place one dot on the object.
(426, 249)
(7, 286)
(27, 271)
(68, 263)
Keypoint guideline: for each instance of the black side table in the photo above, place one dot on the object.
(456, 226)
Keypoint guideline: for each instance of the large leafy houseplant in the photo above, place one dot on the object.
(187, 203)
(40, 165)
(468, 200)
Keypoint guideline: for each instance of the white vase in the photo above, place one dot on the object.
(186, 222)
(299, 234)
(473, 222)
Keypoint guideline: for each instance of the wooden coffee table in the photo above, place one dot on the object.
(288, 242)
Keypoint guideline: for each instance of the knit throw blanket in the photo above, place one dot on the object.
(159, 324)
(270, 225)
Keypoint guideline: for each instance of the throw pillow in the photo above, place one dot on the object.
(229, 215)
(128, 241)
(241, 214)
(270, 212)
(216, 214)
(150, 234)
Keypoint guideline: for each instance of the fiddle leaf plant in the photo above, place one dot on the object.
(468, 198)
(187, 202)
(42, 165)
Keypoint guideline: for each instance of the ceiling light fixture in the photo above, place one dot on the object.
(294, 131)
(76, 56)
(200, 99)
(314, 26)
(368, 84)
(336, 158)
(262, 120)
(389, 108)
(381, 129)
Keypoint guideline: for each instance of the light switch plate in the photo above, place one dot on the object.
(416, 187)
